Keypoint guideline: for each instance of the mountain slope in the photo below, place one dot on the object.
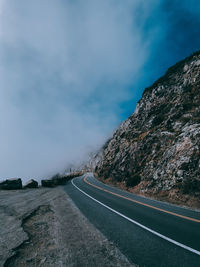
(157, 149)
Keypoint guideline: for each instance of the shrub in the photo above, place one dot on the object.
(56, 176)
(133, 180)
(190, 186)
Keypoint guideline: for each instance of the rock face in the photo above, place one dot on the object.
(31, 184)
(158, 147)
(11, 184)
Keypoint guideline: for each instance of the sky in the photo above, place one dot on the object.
(72, 71)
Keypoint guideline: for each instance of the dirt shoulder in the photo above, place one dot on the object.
(173, 196)
(43, 227)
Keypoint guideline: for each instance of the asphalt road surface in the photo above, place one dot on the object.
(149, 233)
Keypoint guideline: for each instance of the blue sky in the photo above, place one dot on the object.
(71, 71)
(179, 37)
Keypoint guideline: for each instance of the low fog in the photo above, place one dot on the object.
(65, 69)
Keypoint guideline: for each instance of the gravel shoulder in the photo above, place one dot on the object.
(43, 227)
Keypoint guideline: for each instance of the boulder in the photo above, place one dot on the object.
(11, 184)
(31, 184)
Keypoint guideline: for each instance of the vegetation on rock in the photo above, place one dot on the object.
(158, 147)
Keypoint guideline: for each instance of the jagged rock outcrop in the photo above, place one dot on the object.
(158, 147)
(11, 184)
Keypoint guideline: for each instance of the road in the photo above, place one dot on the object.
(149, 232)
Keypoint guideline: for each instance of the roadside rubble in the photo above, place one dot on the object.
(58, 179)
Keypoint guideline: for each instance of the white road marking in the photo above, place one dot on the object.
(139, 224)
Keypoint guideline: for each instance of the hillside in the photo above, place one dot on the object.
(156, 151)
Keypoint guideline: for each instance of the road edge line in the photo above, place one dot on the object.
(139, 224)
(142, 203)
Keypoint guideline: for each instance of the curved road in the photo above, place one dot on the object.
(149, 232)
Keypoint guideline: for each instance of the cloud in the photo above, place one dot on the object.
(65, 68)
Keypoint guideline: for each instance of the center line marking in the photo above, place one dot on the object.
(139, 224)
(141, 203)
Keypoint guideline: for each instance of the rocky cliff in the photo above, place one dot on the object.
(157, 149)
